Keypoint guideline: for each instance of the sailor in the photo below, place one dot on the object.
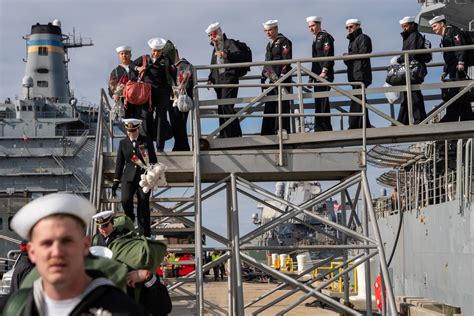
(179, 119)
(142, 280)
(155, 72)
(323, 46)
(107, 232)
(225, 52)
(454, 66)
(358, 69)
(278, 48)
(412, 39)
(119, 77)
(133, 153)
(55, 226)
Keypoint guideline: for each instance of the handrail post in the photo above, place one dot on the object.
(408, 84)
(280, 129)
(300, 98)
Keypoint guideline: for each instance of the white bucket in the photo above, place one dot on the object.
(274, 258)
(283, 256)
(304, 262)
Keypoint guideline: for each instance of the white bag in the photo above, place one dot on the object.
(183, 102)
(393, 97)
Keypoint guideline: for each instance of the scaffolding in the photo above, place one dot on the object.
(236, 166)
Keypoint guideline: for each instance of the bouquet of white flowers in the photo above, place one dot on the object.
(154, 175)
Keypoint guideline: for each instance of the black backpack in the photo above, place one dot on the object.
(425, 58)
(245, 57)
(468, 40)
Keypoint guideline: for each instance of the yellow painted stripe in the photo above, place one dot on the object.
(54, 49)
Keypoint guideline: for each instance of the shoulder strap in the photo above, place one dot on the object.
(17, 302)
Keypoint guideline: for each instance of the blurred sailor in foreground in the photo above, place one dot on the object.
(55, 225)
(134, 153)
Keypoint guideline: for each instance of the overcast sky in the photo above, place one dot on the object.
(114, 23)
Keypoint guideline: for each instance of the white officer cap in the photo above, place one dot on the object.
(132, 124)
(212, 27)
(103, 218)
(314, 18)
(270, 24)
(157, 43)
(101, 251)
(122, 48)
(51, 204)
(437, 19)
(407, 19)
(353, 21)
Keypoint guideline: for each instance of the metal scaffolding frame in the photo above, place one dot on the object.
(352, 235)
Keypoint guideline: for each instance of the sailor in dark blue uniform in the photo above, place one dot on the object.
(132, 154)
(279, 48)
(155, 72)
(454, 66)
(412, 39)
(358, 69)
(119, 77)
(323, 46)
(225, 51)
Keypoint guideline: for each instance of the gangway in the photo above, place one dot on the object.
(236, 166)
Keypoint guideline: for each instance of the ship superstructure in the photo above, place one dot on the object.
(46, 137)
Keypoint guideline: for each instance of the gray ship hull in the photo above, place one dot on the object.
(435, 254)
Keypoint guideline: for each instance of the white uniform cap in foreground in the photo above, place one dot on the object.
(51, 204)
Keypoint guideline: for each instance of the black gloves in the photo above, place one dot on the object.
(114, 188)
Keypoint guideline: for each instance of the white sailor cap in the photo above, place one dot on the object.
(314, 19)
(122, 48)
(437, 19)
(157, 43)
(353, 21)
(103, 218)
(270, 24)
(101, 251)
(56, 203)
(212, 27)
(407, 19)
(132, 124)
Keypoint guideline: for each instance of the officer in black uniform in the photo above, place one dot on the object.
(453, 66)
(358, 69)
(107, 233)
(412, 39)
(225, 52)
(124, 72)
(323, 46)
(155, 73)
(279, 48)
(131, 157)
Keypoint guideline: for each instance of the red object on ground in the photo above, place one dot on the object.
(378, 292)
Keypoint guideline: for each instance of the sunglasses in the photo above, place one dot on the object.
(350, 27)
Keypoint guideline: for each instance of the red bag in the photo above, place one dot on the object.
(137, 92)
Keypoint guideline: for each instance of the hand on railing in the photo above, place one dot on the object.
(114, 188)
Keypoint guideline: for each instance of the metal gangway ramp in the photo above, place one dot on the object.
(236, 166)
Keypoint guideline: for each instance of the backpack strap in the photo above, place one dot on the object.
(17, 302)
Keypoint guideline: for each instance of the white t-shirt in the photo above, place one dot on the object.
(62, 307)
